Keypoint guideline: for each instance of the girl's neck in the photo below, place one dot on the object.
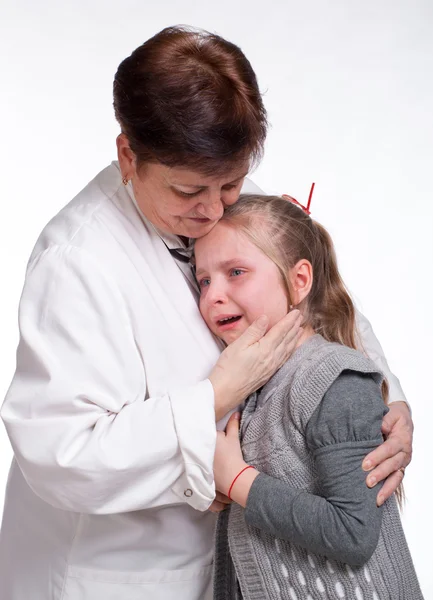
(306, 334)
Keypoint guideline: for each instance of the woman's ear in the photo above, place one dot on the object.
(301, 280)
(125, 156)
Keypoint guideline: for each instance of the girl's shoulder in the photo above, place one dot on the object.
(351, 411)
(322, 364)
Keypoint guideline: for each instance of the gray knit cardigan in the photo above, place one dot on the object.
(273, 440)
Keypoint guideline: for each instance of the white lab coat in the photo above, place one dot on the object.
(110, 415)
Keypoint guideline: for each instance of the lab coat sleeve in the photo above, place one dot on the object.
(371, 346)
(84, 436)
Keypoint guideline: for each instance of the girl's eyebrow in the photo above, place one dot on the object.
(225, 264)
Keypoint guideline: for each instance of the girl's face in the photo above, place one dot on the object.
(238, 283)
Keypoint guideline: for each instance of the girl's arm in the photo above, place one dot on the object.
(343, 522)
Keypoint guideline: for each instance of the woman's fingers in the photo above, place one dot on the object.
(392, 470)
(388, 461)
(386, 458)
(386, 468)
(284, 332)
(397, 447)
(390, 486)
(388, 449)
(254, 333)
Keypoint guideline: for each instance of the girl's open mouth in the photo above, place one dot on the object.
(228, 322)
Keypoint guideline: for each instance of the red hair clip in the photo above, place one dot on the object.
(306, 209)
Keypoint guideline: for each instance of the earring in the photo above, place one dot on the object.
(125, 181)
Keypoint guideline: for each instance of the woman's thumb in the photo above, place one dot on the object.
(255, 331)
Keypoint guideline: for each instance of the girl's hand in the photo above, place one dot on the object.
(229, 463)
(252, 359)
(220, 503)
(390, 458)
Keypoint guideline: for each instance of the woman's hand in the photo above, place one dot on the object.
(252, 359)
(229, 462)
(390, 458)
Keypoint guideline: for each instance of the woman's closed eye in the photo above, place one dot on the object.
(188, 194)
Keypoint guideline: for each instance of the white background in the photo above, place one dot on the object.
(349, 90)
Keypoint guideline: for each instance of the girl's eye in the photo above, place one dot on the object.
(236, 272)
(204, 282)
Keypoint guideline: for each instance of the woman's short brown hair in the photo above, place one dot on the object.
(187, 97)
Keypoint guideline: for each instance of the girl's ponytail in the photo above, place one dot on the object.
(330, 306)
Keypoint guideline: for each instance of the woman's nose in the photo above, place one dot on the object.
(213, 208)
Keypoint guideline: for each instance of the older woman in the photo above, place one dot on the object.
(112, 410)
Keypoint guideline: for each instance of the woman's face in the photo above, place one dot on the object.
(178, 200)
(238, 283)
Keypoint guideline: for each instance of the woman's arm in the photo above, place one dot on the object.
(343, 522)
(391, 457)
(86, 434)
(370, 345)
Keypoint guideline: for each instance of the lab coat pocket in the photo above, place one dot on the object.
(155, 584)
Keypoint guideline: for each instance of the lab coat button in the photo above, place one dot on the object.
(188, 493)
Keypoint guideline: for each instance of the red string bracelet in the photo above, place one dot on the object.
(236, 478)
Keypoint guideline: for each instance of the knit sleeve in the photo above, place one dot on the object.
(343, 522)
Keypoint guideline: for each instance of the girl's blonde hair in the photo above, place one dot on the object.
(286, 234)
